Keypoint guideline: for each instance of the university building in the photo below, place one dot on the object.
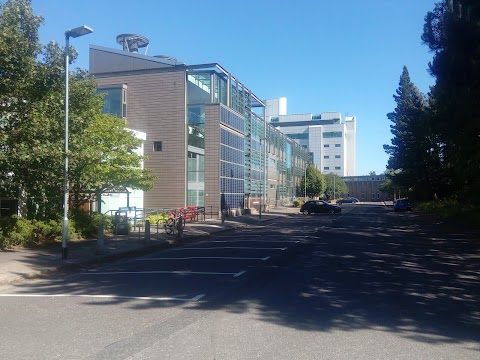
(367, 188)
(206, 137)
(331, 140)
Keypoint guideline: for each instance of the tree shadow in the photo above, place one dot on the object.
(369, 269)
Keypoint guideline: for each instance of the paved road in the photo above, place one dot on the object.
(366, 284)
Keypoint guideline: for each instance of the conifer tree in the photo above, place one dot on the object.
(406, 118)
(452, 32)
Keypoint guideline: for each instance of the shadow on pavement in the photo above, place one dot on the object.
(416, 278)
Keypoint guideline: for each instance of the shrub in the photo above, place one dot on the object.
(159, 218)
(84, 224)
(298, 203)
(46, 232)
(452, 209)
(18, 231)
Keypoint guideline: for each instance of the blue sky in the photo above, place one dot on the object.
(322, 55)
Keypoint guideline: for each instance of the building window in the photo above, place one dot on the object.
(114, 100)
(124, 103)
(326, 145)
(303, 136)
(326, 157)
(337, 167)
(338, 145)
(326, 168)
(337, 156)
(157, 146)
(332, 134)
(316, 117)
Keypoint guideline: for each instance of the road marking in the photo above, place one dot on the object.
(157, 272)
(239, 274)
(228, 247)
(195, 298)
(198, 297)
(258, 241)
(205, 257)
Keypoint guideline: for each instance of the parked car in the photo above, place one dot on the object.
(401, 205)
(348, 200)
(319, 206)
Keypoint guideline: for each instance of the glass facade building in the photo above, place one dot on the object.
(207, 138)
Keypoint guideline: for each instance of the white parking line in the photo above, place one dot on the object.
(195, 298)
(228, 247)
(158, 272)
(258, 241)
(205, 257)
(239, 274)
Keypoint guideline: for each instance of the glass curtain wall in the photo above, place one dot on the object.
(288, 166)
(232, 160)
(288, 170)
(199, 90)
(256, 158)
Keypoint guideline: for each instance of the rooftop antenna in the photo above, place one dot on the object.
(133, 42)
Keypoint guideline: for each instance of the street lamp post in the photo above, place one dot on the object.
(74, 33)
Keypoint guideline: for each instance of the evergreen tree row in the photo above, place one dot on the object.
(435, 150)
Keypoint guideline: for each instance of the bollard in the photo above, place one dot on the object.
(100, 240)
(223, 216)
(180, 226)
(146, 240)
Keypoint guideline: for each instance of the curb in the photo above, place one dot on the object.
(95, 260)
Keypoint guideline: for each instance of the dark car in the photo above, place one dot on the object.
(401, 205)
(319, 206)
(348, 200)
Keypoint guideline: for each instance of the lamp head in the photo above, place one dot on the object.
(78, 31)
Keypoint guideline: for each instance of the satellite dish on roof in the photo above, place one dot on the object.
(133, 42)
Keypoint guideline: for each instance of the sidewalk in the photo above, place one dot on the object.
(20, 264)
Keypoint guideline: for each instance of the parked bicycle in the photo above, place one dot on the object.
(173, 222)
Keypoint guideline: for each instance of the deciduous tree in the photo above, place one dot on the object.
(335, 186)
(102, 151)
(316, 183)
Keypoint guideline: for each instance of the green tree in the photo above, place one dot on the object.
(413, 147)
(101, 150)
(335, 186)
(387, 186)
(452, 32)
(19, 94)
(315, 182)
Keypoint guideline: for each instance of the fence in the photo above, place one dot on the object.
(162, 220)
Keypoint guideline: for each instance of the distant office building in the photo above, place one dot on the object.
(331, 139)
(205, 130)
(367, 188)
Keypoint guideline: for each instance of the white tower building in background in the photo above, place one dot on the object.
(331, 139)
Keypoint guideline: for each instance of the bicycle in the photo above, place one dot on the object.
(171, 225)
